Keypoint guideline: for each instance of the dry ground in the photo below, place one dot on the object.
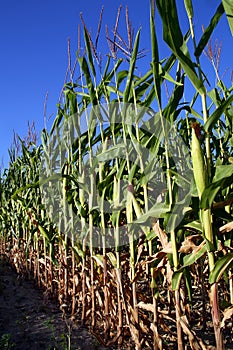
(28, 321)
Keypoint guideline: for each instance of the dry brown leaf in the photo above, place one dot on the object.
(195, 342)
(226, 228)
(161, 234)
(159, 255)
(189, 246)
(76, 280)
(146, 306)
(157, 337)
(226, 315)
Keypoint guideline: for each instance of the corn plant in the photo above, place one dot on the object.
(124, 211)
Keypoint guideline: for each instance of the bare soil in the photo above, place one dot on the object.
(30, 322)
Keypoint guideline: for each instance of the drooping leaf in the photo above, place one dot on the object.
(189, 260)
(220, 266)
(222, 179)
(173, 37)
(195, 225)
(222, 172)
(216, 115)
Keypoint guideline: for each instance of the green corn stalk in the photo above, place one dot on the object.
(202, 170)
(201, 178)
(157, 89)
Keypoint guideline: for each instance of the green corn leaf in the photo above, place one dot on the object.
(168, 77)
(173, 103)
(176, 278)
(216, 115)
(15, 195)
(209, 194)
(99, 259)
(220, 266)
(85, 69)
(144, 78)
(72, 101)
(189, 260)
(121, 168)
(89, 51)
(155, 58)
(105, 74)
(129, 86)
(173, 37)
(108, 76)
(222, 172)
(140, 91)
(44, 232)
(79, 251)
(209, 30)
(120, 77)
(112, 259)
(215, 97)
(228, 7)
(117, 151)
(114, 90)
(222, 179)
(196, 225)
(189, 8)
(154, 212)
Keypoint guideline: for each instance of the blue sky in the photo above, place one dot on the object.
(33, 60)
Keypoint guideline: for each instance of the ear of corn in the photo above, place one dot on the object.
(198, 160)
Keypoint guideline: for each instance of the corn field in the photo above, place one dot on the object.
(123, 212)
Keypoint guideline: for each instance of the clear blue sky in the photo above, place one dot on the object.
(33, 59)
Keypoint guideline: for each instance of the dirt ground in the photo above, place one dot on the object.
(27, 321)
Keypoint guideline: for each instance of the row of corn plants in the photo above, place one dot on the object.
(124, 211)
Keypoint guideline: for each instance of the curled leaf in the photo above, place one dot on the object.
(226, 228)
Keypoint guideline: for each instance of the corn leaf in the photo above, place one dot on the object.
(195, 225)
(129, 86)
(222, 172)
(228, 7)
(222, 179)
(209, 30)
(176, 278)
(189, 260)
(173, 37)
(155, 58)
(85, 69)
(189, 8)
(216, 115)
(89, 51)
(220, 266)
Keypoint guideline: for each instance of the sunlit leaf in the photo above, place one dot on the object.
(209, 30)
(173, 37)
(228, 7)
(220, 266)
(216, 115)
